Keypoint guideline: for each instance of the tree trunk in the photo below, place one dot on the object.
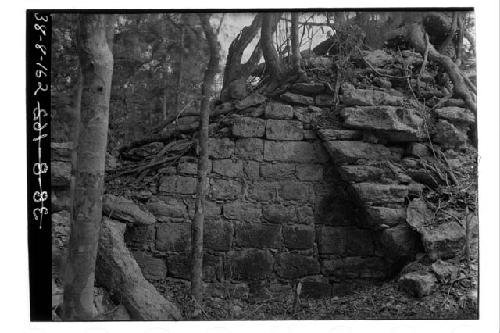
(96, 63)
(273, 64)
(180, 65)
(234, 68)
(295, 42)
(199, 217)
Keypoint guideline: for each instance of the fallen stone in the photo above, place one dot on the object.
(378, 58)
(252, 100)
(119, 273)
(417, 284)
(443, 241)
(366, 97)
(393, 124)
(444, 271)
(448, 135)
(349, 152)
(313, 88)
(120, 208)
(297, 99)
(456, 115)
(401, 241)
(279, 111)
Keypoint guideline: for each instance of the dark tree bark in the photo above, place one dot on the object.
(234, 68)
(295, 42)
(199, 217)
(96, 62)
(180, 65)
(273, 64)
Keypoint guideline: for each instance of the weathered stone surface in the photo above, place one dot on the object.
(140, 235)
(179, 266)
(400, 241)
(417, 284)
(418, 149)
(296, 191)
(218, 235)
(332, 240)
(242, 211)
(324, 100)
(388, 216)
(310, 135)
(305, 215)
(279, 214)
(228, 167)
(220, 147)
(152, 268)
(448, 135)
(355, 267)
(222, 189)
(301, 152)
(392, 123)
(310, 172)
(60, 200)
(178, 184)
(382, 83)
(443, 241)
(286, 130)
(293, 266)
(119, 273)
(250, 149)
(444, 271)
(277, 170)
(120, 208)
(167, 208)
(60, 173)
(149, 149)
(316, 287)
(212, 209)
(307, 115)
(455, 102)
(254, 111)
(278, 111)
(60, 236)
(298, 237)
(367, 97)
(297, 99)
(248, 127)
(456, 115)
(312, 88)
(328, 134)
(263, 191)
(258, 235)
(349, 152)
(418, 214)
(252, 100)
(381, 193)
(360, 173)
(174, 237)
(251, 169)
(360, 242)
(189, 166)
(249, 264)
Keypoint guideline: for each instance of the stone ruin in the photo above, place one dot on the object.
(294, 195)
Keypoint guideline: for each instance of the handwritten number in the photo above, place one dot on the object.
(41, 88)
(41, 18)
(40, 27)
(42, 48)
(40, 211)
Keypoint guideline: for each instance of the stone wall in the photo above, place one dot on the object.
(277, 210)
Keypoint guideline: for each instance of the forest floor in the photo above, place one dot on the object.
(456, 299)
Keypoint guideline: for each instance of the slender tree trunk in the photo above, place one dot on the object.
(273, 63)
(180, 65)
(96, 62)
(164, 103)
(199, 217)
(295, 42)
